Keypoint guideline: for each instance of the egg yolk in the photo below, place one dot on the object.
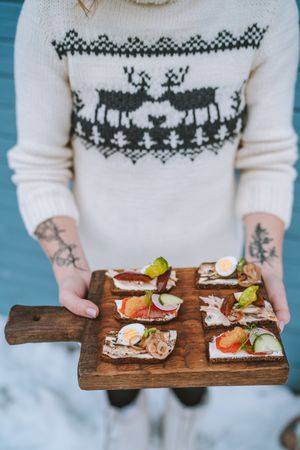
(129, 334)
(225, 265)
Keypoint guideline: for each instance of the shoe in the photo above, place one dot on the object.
(127, 428)
(180, 424)
(290, 436)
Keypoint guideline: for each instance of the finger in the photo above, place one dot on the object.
(281, 308)
(283, 316)
(80, 307)
(277, 295)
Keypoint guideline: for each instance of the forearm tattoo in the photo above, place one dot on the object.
(65, 254)
(261, 247)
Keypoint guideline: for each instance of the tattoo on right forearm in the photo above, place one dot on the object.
(65, 254)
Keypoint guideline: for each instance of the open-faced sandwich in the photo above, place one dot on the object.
(245, 343)
(135, 343)
(244, 307)
(148, 308)
(228, 272)
(157, 276)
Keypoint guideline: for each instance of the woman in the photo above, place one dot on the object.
(149, 107)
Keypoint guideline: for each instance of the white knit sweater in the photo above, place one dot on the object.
(150, 109)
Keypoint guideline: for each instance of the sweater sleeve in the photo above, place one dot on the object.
(42, 157)
(268, 148)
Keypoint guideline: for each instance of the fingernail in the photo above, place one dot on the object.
(281, 326)
(91, 312)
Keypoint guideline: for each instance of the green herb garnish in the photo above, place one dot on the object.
(149, 331)
(251, 327)
(148, 300)
(240, 265)
(148, 297)
(243, 345)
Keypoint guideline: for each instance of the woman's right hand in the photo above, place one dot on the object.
(59, 239)
(72, 292)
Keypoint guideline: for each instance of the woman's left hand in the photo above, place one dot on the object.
(263, 246)
(277, 296)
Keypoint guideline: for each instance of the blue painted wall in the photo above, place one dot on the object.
(24, 270)
(25, 274)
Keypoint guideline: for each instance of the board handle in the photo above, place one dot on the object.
(43, 324)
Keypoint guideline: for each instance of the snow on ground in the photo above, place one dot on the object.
(42, 407)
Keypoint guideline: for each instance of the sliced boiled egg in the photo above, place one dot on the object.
(226, 266)
(130, 334)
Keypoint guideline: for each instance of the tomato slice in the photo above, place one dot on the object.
(123, 305)
(141, 313)
(231, 349)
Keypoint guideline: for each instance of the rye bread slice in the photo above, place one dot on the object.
(261, 322)
(248, 359)
(132, 359)
(220, 285)
(155, 321)
(245, 359)
(212, 285)
(124, 292)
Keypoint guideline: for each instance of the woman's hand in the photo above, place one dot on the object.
(72, 294)
(263, 246)
(59, 239)
(277, 296)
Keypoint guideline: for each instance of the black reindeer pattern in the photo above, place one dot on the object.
(187, 138)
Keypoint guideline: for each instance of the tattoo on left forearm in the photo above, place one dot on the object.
(261, 247)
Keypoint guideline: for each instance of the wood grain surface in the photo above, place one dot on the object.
(188, 365)
(43, 324)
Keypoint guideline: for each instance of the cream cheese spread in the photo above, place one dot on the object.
(214, 353)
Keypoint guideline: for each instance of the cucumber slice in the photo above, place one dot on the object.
(267, 343)
(169, 300)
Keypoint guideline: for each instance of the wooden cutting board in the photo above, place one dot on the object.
(187, 366)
